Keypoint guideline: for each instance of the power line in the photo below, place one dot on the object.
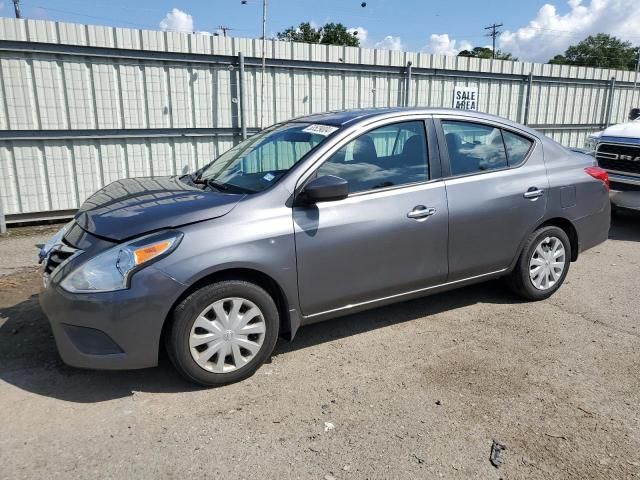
(112, 20)
(493, 34)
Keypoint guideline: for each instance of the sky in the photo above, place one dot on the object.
(533, 30)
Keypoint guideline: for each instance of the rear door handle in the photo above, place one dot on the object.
(420, 212)
(533, 193)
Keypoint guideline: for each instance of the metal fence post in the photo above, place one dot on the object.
(243, 120)
(635, 82)
(612, 86)
(3, 222)
(407, 97)
(527, 100)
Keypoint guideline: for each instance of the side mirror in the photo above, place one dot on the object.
(326, 189)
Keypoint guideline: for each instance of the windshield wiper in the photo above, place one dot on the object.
(197, 179)
(213, 184)
(219, 186)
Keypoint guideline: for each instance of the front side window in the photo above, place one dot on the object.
(260, 161)
(474, 147)
(384, 157)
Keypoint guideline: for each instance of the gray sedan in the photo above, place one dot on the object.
(312, 219)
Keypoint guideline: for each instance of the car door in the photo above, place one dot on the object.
(496, 188)
(389, 236)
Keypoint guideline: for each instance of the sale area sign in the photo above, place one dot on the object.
(465, 98)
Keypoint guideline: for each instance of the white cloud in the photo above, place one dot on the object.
(390, 43)
(464, 45)
(177, 21)
(361, 33)
(441, 44)
(550, 33)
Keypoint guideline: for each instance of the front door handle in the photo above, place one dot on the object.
(420, 212)
(533, 193)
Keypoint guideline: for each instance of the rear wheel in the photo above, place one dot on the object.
(543, 264)
(223, 332)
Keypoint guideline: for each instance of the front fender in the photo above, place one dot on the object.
(264, 248)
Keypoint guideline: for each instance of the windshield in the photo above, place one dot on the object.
(260, 161)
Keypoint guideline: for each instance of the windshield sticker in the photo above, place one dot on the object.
(269, 176)
(323, 130)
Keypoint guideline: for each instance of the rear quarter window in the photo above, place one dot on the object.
(517, 147)
(474, 147)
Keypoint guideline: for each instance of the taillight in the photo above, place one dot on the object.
(600, 174)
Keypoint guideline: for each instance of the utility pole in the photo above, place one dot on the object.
(224, 30)
(493, 34)
(264, 60)
(16, 7)
(264, 57)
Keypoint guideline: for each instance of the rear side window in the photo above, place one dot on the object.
(474, 147)
(517, 147)
(388, 156)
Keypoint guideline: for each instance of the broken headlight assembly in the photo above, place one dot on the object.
(111, 269)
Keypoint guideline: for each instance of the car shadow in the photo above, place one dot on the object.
(29, 359)
(625, 225)
(493, 292)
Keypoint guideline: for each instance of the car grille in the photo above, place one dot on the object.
(58, 255)
(622, 158)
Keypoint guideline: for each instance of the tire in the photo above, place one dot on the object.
(520, 280)
(204, 323)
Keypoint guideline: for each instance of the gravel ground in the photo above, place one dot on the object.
(18, 248)
(415, 390)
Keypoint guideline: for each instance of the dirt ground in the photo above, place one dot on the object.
(415, 390)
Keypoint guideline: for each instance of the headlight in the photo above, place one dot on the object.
(111, 269)
(592, 141)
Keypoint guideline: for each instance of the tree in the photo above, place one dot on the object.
(329, 34)
(601, 50)
(485, 52)
(337, 34)
(302, 33)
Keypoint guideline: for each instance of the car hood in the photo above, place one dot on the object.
(134, 206)
(623, 130)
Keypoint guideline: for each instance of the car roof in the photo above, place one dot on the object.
(343, 118)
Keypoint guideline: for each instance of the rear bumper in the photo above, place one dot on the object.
(593, 229)
(629, 199)
(625, 190)
(112, 330)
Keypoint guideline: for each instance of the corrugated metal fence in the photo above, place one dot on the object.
(83, 105)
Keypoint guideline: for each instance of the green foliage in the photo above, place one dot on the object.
(484, 52)
(329, 34)
(303, 33)
(558, 60)
(337, 34)
(601, 50)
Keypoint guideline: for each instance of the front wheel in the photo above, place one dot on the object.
(223, 332)
(543, 264)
